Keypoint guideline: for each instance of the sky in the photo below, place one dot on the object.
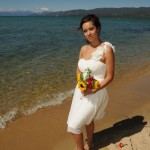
(59, 5)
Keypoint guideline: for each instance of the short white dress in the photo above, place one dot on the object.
(84, 109)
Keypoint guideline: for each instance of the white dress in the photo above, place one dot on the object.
(86, 108)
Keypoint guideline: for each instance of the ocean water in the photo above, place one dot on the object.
(38, 58)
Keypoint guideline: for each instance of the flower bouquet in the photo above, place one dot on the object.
(86, 80)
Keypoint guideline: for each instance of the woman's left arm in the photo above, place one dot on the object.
(110, 67)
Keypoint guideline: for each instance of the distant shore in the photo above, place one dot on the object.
(123, 12)
(127, 115)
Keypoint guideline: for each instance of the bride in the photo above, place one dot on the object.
(89, 104)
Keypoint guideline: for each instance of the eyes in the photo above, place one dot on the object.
(89, 29)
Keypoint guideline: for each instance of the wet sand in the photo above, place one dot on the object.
(127, 115)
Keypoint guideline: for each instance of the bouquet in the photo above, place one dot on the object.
(86, 80)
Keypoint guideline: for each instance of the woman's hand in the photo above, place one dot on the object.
(88, 92)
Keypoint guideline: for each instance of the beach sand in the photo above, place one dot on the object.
(127, 120)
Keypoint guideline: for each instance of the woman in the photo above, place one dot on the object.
(90, 104)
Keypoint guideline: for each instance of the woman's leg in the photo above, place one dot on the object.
(90, 132)
(78, 138)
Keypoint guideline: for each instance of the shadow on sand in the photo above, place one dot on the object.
(119, 130)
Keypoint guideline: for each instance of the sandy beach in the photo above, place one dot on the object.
(127, 121)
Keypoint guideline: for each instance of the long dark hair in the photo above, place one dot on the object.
(93, 18)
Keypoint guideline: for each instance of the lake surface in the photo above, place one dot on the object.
(38, 58)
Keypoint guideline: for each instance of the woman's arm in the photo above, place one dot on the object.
(110, 67)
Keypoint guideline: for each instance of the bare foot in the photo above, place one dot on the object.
(87, 147)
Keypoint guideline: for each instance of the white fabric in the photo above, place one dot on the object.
(75, 131)
(86, 108)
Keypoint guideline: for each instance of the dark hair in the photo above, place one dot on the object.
(93, 18)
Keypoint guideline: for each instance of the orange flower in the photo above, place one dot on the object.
(121, 145)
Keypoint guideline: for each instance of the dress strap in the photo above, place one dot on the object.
(98, 54)
(109, 45)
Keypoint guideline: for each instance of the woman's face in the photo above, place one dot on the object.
(91, 33)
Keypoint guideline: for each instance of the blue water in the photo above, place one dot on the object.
(38, 58)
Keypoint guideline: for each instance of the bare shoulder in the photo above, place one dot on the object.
(109, 54)
(83, 50)
(109, 49)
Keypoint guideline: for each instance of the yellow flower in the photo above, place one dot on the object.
(81, 85)
(79, 77)
(96, 84)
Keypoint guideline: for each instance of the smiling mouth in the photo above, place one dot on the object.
(90, 37)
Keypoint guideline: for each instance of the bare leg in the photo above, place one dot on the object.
(78, 138)
(90, 131)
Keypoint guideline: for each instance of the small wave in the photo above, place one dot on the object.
(7, 117)
(57, 100)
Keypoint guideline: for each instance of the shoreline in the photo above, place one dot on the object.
(46, 128)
